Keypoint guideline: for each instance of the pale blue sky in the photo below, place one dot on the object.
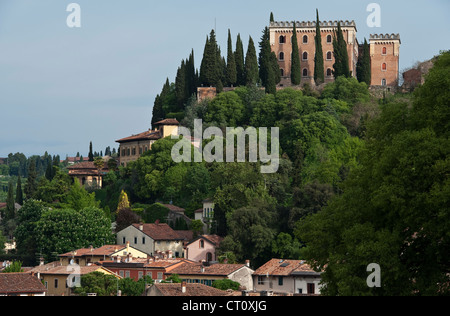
(61, 88)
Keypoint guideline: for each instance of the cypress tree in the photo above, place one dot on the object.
(180, 86)
(295, 59)
(363, 71)
(211, 69)
(10, 207)
(191, 81)
(19, 192)
(319, 72)
(240, 64)
(91, 155)
(269, 70)
(231, 63)
(271, 17)
(341, 67)
(31, 185)
(251, 64)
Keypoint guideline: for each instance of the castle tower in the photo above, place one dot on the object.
(280, 41)
(384, 57)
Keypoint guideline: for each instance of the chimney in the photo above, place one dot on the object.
(128, 247)
(202, 269)
(247, 263)
(141, 226)
(183, 287)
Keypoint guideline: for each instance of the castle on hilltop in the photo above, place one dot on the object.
(384, 51)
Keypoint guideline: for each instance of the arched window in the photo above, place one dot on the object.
(305, 56)
(329, 39)
(282, 72)
(282, 39)
(281, 56)
(329, 72)
(305, 39)
(384, 51)
(329, 55)
(384, 67)
(383, 82)
(305, 72)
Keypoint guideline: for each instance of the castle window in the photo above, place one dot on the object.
(383, 82)
(329, 56)
(329, 72)
(305, 39)
(384, 67)
(282, 39)
(282, 72)
(329, 39)
(305, 56)
(384, 52)
(281, 56)
(305, 72)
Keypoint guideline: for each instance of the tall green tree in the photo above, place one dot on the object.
(180, 86)
(341, 66)
(271, 17)
(240, 62)
(19, 191)
(231, 63)
(31, 185)
(363, 67)
(91, 154)
(251, 64)
(296, 74)
(10, 206)
(319, 71)
(211, 69)
(269, 70)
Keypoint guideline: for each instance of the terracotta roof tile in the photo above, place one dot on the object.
(173, 207)
(280, 267)
(20, 283)
(192, 289)
(215, 269)
(102, 251)
(167, 122)
(147, 135)
(162, 231)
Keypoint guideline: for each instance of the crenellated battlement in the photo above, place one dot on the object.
(298, 24)
(385, 37)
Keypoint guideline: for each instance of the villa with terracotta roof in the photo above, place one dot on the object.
(288, 277)
(88, 174)
(88, 256)
(208, 273)
(203, 248)
(132, 147)
(54, 276)
(154, 238)
(136, 268)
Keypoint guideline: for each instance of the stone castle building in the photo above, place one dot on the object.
(384, 51)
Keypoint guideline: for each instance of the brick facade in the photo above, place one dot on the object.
(280, 41)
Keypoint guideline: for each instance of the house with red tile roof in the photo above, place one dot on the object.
(136, 268)
(208, 273)
(88, 174)
(21, 284)
(88, 256)
(287, 277)
(203, 248)
(184, 289)
(155, 238)
(55, 276)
